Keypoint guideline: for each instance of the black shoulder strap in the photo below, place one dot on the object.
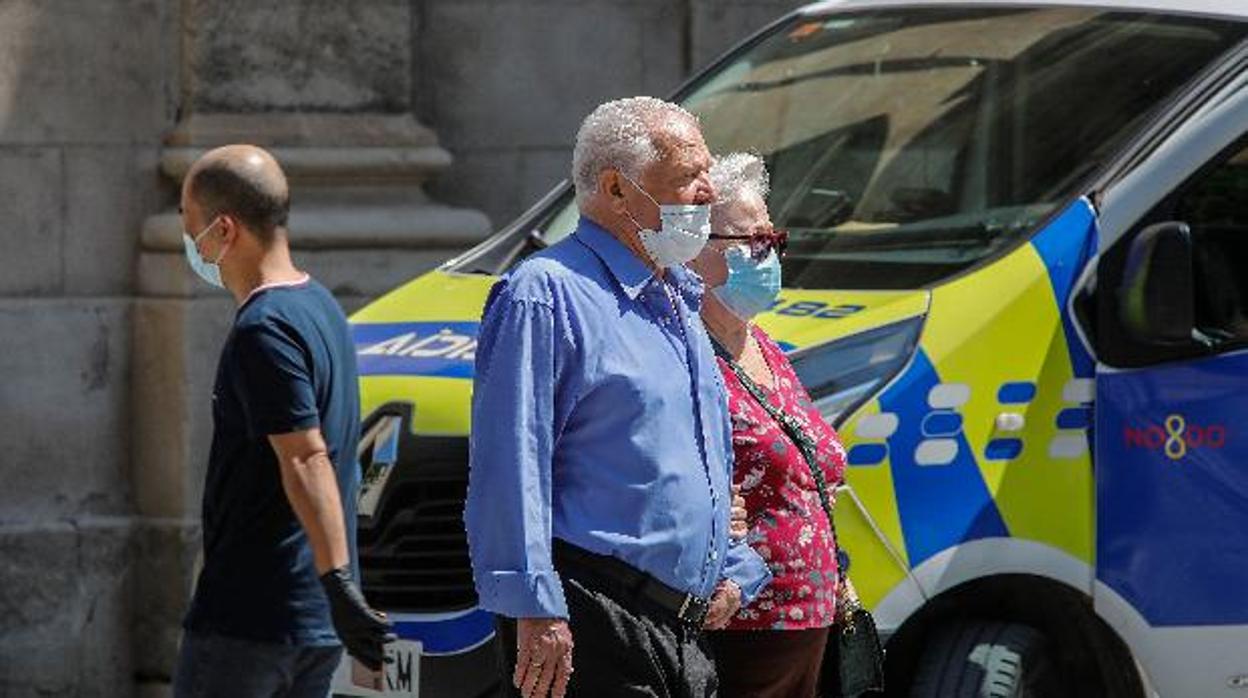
(806, 445)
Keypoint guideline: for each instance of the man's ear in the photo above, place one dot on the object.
(611, 185)
(230, 229)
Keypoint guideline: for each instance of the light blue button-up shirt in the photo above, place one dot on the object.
(598, 417)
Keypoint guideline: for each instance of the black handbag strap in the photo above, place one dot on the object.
(805, 444)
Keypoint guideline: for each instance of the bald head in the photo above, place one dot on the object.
(241, 181)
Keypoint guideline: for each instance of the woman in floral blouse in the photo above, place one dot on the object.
(775, 646)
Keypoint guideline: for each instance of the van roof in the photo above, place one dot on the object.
(1228, 8)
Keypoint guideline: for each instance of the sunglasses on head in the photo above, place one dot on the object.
(761, 242)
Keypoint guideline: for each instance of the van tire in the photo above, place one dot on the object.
(985, 659)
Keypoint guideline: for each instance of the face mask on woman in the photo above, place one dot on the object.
(752, 285)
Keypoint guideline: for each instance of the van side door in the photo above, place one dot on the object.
(1171, 433)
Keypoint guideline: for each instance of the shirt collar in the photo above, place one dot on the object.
(689, 284)
(630, 273)
(301, 280)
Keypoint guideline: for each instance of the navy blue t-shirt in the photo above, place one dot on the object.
(288, 365)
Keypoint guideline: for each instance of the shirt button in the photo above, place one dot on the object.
(714, 555)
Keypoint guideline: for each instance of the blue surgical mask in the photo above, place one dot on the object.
(208, 271)
(682, 235)
(752, 285)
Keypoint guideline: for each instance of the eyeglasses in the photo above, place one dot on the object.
(761, 242)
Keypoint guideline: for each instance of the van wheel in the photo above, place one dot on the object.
(984, 659)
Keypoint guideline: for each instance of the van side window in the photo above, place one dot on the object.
(1213, 204)
(1216, 209)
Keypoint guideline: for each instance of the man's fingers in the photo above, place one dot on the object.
(715, 614)
(533, 671)
(739, 517)
(522, 662)
(725, 603)
(563, 674)
(547, 677)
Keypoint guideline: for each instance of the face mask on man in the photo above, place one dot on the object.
(208, 271)
(682, 235)
(752, 284)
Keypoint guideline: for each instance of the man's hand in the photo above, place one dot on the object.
(362, 630)
(543, 657)
(725, 603)
(738, 526)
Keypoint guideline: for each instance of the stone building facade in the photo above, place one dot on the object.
(410, 128)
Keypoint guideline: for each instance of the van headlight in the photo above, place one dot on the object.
(842, 375)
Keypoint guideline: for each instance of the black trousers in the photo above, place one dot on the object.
(619, 650)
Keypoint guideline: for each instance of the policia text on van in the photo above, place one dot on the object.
(1018, 236)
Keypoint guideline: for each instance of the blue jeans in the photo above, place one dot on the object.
(212, 666)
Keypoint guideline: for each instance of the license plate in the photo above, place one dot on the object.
(402, 676)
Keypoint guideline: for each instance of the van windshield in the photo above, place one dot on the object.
(907, 145)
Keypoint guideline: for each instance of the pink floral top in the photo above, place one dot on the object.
(787, 525)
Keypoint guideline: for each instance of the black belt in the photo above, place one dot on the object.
(627, 584)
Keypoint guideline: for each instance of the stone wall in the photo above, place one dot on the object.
(506, 82)
(396, 119)
(85, 95)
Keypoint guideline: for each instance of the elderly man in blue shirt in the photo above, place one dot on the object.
(599, 492)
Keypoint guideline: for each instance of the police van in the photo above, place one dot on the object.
(1016, 283)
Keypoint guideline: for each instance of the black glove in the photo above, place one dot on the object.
(362, 630)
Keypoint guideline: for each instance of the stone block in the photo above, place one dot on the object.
(64, 433)
(541, 171)
(560, 60)
(718, 25)
(313, 55)
(154, 689)
(31, 228)
(488, 180)
(109, 190)
(65, 604)
(199, 131)
(86, 72)
(503, 183)
(176, 346)
(166, 553)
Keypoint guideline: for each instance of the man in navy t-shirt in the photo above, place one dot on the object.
(277, 597)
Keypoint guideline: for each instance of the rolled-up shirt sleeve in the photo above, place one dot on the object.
(508, 509)
(747, 568)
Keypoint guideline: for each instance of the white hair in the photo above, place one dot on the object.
(736, 176)
(620, 135)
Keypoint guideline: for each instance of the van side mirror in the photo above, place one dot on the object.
(1157, 301)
